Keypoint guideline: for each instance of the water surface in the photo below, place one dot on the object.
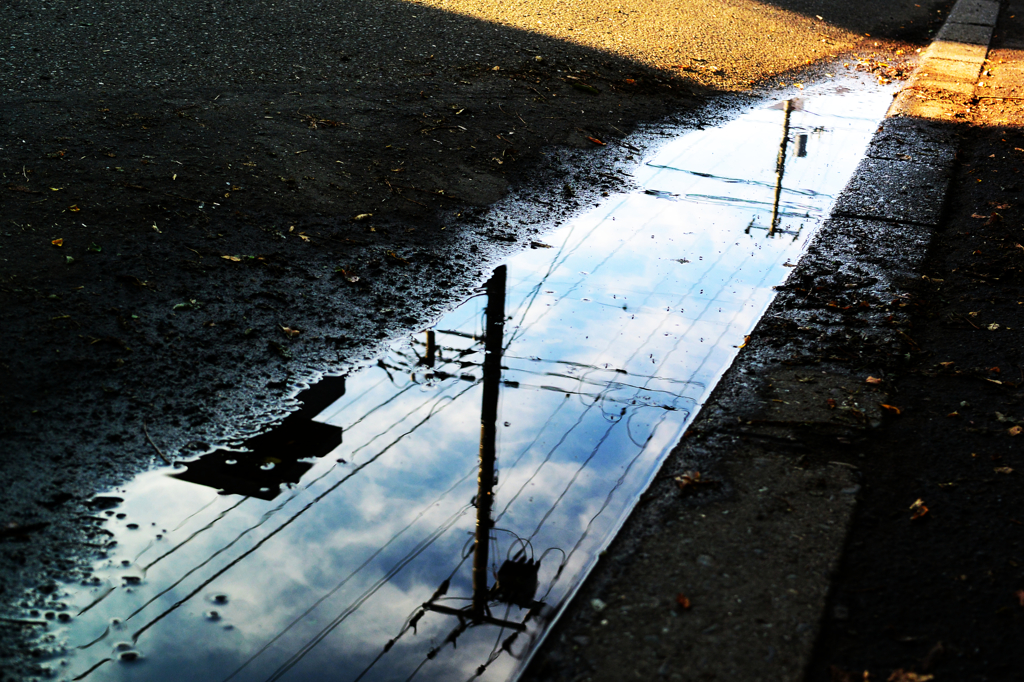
(342, 546)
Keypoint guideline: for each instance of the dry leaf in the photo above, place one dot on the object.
(235, 259)
(347, 275)
(837, 674)
(874, 380)
(1003, 470)
(289, 331)
(683, 601)
(363, 216)
(58, 242)
(1014, 430)
(1020, 596)
(901, 675)
(688, 478)
(891, 408)
(919, 509)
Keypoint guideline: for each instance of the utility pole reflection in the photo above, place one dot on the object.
(788, 107)
(494, 335)
(478, 613)
(780, 165)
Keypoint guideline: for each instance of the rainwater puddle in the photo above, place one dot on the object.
(345, 547)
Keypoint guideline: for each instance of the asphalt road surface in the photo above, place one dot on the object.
(150, 140)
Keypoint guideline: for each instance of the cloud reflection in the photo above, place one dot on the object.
(611, 341)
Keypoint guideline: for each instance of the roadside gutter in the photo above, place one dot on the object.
(728, 578)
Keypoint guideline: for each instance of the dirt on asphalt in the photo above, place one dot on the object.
(202, 208)
(931, 583)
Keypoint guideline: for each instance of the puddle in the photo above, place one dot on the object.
(346, 543)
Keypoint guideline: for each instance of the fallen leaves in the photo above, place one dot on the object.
(586, 88)
(131, 279)
(23, 189)
(837, 674)
(874, 380)
(315, 122)
(280, 350)
(349, 276)
(1014, 430)
(1003, 470)
(683, 602)
(891, 408)
(901, 675)
(918, 509)
(290, 332)
(58, 241)
(693, 480)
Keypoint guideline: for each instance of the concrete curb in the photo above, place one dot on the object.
(755, 557)
(951, 64)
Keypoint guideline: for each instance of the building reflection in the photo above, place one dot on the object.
(278, 457)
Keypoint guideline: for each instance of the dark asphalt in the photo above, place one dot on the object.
(153, 141)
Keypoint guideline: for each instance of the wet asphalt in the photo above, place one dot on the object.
(867, 433)
(186, 97)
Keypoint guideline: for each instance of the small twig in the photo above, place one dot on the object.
(155, 446)
(398, 193)
(969, 322)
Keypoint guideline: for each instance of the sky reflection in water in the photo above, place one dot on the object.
(613, 337)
